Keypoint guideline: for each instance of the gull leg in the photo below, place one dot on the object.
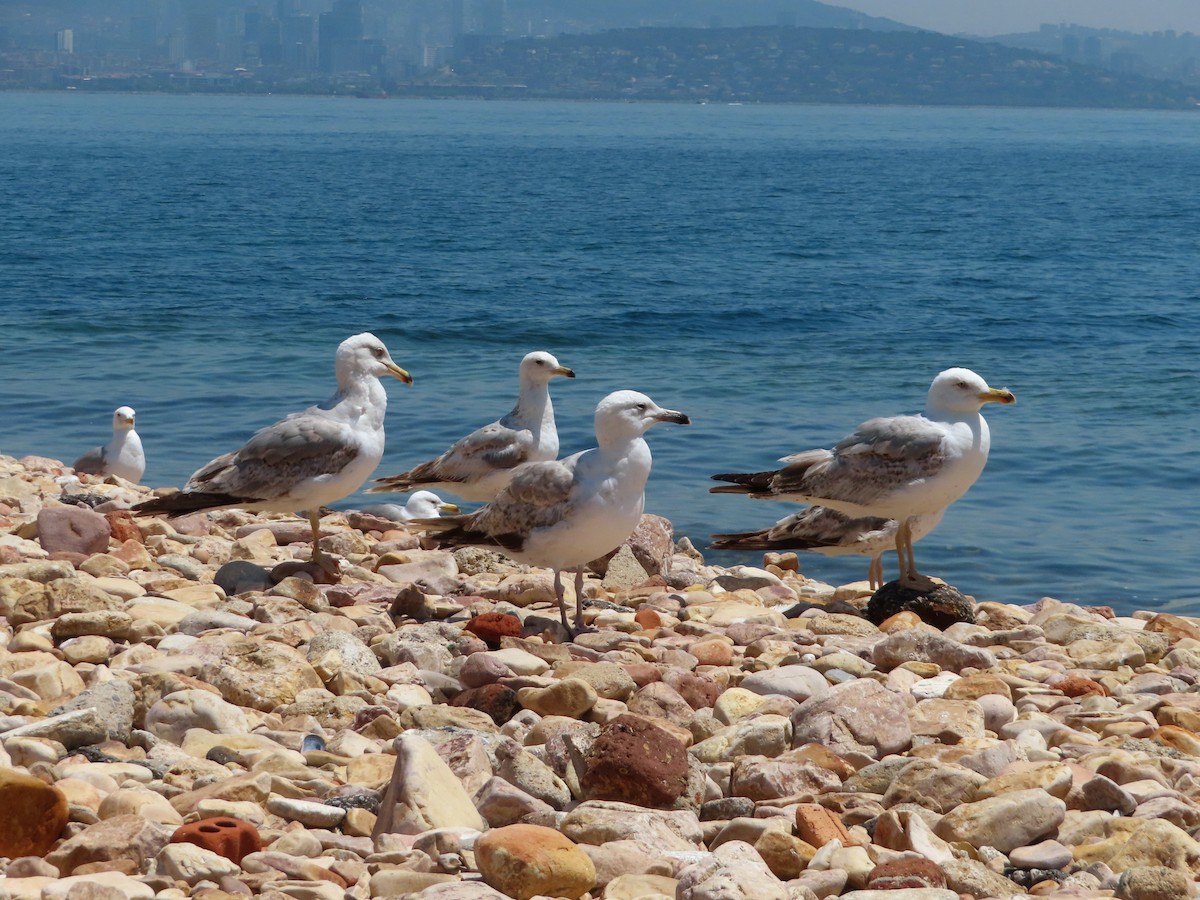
(562, 603)
(319, 556)
(875, 573)
(911, 578)
(579, 599)
(901, 557)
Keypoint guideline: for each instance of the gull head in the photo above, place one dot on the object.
(123, 418)
(365, 355)
(627, 414)
(427, 505)
(962, 391)
(539, 367)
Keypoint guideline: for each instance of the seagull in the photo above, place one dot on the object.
(899, 467)
(562, 514)
(307, 460)
(122, 456)
(477, 466)
(820, 529)
(421, 505)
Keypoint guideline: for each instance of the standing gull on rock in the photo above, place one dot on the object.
(307, 460)
(421, 505)
(122, 456)
(820, 529)
(564, 513)
(899, 467)
(477, 466)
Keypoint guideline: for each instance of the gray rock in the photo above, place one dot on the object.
(114, 704)
(856, 717)
(241, 576)
(356, 656)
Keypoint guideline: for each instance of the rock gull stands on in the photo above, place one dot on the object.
(480, 464)
(307, 460)
(122, 456)
(421, 505)
(563, 514)
(898, 467)
(820, 529)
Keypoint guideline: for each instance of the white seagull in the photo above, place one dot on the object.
(563, 514)
(122, 456)
(307, 460)
(477, 466)
(819, 529)
(897, 468)
(421, 505)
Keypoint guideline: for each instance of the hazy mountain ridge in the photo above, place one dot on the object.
(801, 65)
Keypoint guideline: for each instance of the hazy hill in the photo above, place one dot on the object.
(591, 15)
(809, 65)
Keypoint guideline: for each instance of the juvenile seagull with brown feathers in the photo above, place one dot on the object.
(307, 460)
(477, 466)
(899, 467)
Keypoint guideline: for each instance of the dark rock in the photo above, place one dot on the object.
(355, 798)
(1029, 877)
(240, 576)
(633, 760)
(72, 529)
(940, 607)
(222, 756)
(298, 567)
(726, 808)
(91, 501)
(499, 702)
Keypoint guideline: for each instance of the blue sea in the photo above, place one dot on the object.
(780, 273)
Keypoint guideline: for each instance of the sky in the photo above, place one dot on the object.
(989, 17)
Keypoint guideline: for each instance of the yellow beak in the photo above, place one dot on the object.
(448, 507)
(398, 372)
(564, 371)
(997, 395)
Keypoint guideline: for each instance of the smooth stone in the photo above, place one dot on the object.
(424, 793)
(525, 861)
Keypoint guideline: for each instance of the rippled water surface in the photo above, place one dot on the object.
(780, 273)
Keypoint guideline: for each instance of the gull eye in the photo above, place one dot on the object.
(641, 407)
(961, 385)
(378, 352)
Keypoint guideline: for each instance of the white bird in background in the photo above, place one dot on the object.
(899, 467)
(480, 464)
(562, 514)
(421, 505)
(819, 529)
(309, 459)
(122, 456)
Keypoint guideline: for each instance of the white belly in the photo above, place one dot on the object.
(591, 531)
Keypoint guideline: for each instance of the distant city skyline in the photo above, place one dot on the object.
(992, 18)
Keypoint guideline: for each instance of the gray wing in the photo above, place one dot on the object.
(93, 462)
(540, 494)
(878, 457)
(278, 457)
(494, 447)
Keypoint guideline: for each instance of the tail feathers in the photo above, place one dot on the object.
(183, 502)
(748, 540)
(393, 484)
(743, 483)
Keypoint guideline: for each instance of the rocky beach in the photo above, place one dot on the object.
(188, 709)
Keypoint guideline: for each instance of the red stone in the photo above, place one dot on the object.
(633, 760)
(818, 826)
(230, 838)
(491, 627)
(698, 691)
(1078, 686)
(909, 872)
(123, 526)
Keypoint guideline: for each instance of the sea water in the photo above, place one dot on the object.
(780, 273)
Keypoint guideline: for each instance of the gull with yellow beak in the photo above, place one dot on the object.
(900, 467)
(309, 459)
(479, 465)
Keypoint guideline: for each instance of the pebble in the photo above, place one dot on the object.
(381, 739)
